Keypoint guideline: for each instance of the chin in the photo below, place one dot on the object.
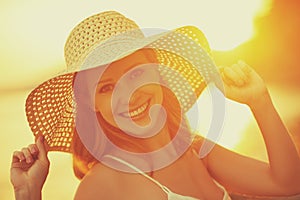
(145, 128)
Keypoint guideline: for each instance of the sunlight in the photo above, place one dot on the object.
(233, 122)
(234, 26)
(233, 21)
(34, 36)
(32, 39)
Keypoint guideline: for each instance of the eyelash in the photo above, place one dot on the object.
(136, 73)
(104, 89)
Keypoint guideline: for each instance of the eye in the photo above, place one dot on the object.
(106, 88)
(136, 73)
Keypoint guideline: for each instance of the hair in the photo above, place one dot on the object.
(83, 160)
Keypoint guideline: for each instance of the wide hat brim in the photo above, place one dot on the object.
(50, 107)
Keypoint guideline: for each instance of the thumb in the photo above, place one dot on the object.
(219, 80)
(43, 148)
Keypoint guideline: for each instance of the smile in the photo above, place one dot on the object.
(137, 112)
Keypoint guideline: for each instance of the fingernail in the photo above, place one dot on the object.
(22, 158)
(28, 160)
(33, 150)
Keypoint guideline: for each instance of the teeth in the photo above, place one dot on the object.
(137, 111)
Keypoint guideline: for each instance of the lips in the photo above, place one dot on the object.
(137, 112)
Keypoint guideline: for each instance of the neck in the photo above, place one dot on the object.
(157, 141)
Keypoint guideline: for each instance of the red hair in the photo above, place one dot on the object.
(83, 160)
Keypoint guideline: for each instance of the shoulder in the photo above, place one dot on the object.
(103, 182)
(98, 183)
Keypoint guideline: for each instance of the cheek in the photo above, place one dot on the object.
(157, 92)
(103, 106)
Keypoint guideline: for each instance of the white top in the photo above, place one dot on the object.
(171, 195)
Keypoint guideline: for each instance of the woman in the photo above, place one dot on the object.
(129, 136)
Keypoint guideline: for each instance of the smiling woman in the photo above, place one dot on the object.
(130, 100)
(120, 110)
(125, 81)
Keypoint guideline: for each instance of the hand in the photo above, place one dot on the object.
(243, 84)
(29, 168)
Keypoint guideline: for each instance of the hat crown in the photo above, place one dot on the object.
(93, 31)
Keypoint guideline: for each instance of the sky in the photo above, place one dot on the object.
(263, 33)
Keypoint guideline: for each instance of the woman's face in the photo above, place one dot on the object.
(127, 90)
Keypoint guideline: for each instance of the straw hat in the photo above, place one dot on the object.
(102, 39)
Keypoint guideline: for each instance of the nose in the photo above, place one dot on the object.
(124, 94)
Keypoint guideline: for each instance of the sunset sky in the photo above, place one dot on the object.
(264, 33)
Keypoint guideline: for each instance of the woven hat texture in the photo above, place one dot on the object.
(102, 39)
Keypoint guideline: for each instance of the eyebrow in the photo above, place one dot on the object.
(133, 66)
(105, 80)
(124, 71)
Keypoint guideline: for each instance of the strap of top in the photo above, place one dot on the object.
(226, 195)
(164, 188)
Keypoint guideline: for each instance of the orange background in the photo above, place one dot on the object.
(32, 38)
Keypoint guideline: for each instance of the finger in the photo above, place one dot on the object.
(242, 75)
(227, 80)
(27, 155)
(18, 156)
(244, 67)
(19, 160)
(224, 77)
(33, 149)
(232, 76)
(42, 147)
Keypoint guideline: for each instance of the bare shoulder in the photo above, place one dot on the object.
(99, 183)
(103, 182)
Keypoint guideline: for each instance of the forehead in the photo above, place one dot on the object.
(142, 56)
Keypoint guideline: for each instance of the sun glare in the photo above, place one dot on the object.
(232, 122)
(233, 21)
(32, 37)
(232, 25)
